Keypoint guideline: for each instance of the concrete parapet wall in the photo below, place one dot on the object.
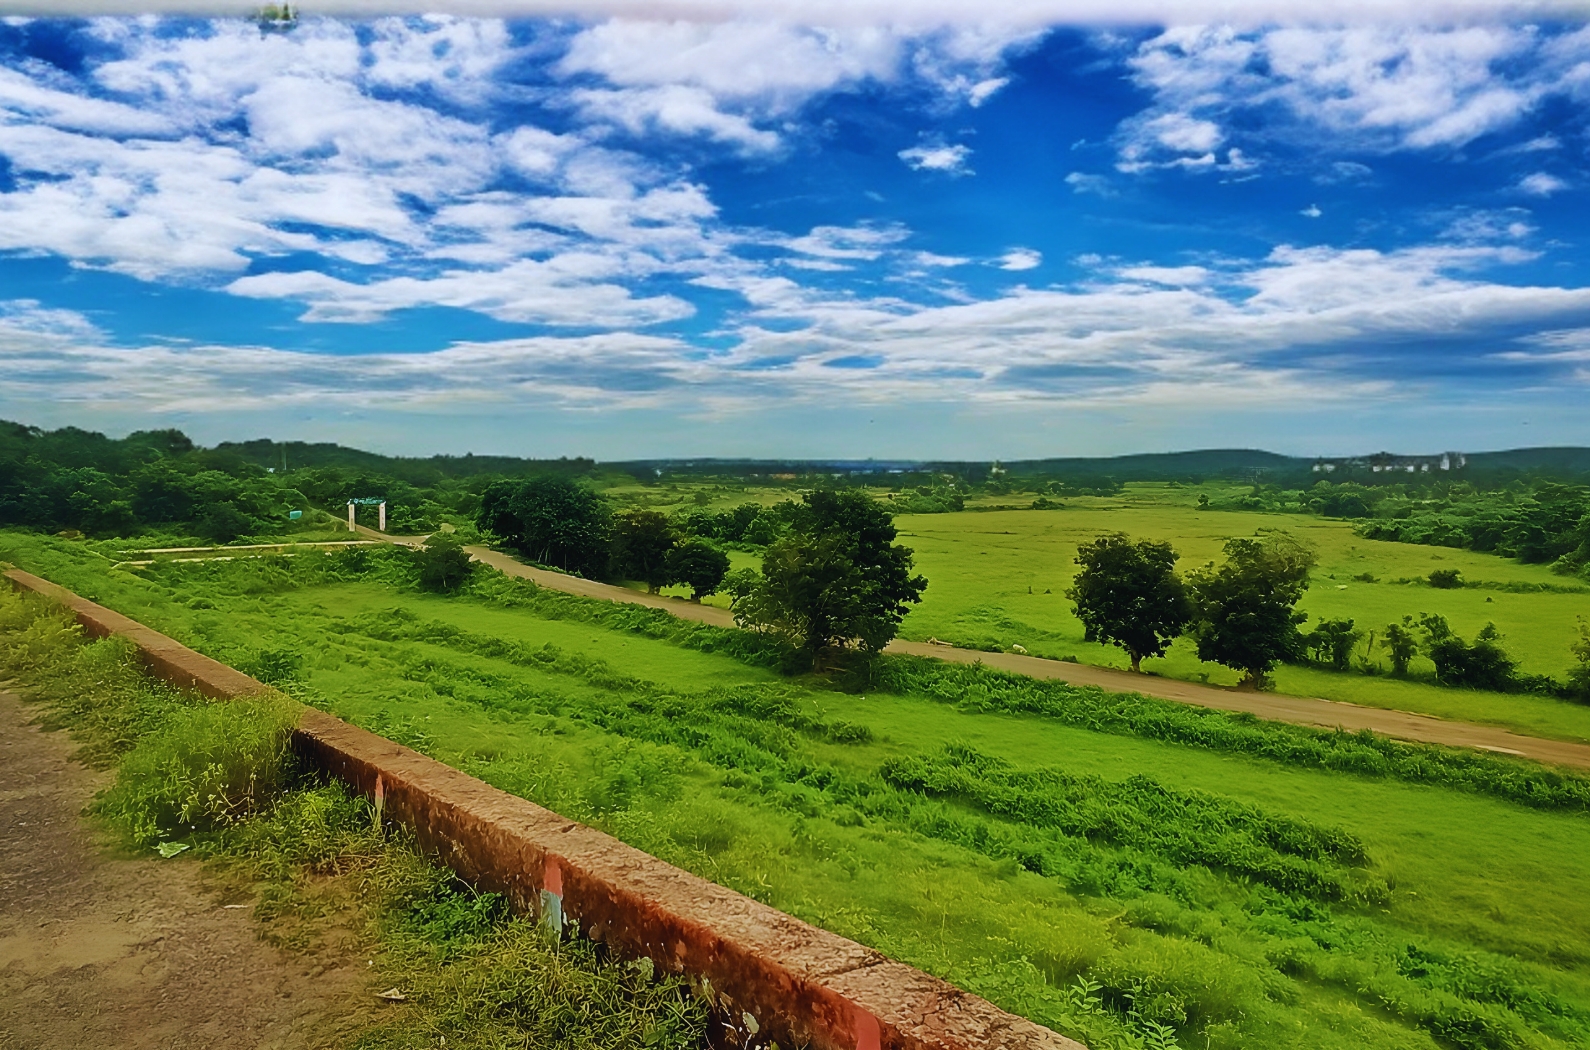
(771, 977)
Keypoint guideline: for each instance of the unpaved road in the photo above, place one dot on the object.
(1301, 710)
(102, 950)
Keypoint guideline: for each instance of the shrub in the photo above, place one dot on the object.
(443, 563)
(1446, 579)
(1579, 676)
(1481, 665)
(206, 768)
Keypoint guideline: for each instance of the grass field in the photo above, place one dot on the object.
(1463, 923)
(997, 578)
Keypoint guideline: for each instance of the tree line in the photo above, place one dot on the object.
(832, 579)
(1243, 615)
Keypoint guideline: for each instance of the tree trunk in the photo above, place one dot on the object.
(1137, 663)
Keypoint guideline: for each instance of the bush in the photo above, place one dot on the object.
(443, 563)
(1481, 665)
(206, 768)
(1446, 579)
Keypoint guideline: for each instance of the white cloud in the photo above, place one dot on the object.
(572, 289)
(1082, 182)
(727, 79)
(676, 109)
(847, 242)
(1175, 276)
(951, 160)
(1377, 86)
(1155, 336)
(1020, 259)
(1540, 184)
(31, 316)
(1312, 211)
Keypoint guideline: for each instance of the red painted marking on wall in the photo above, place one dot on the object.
(865, 1026)
(552, 878)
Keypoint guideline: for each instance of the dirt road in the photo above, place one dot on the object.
(1301, 710)
(102, 950)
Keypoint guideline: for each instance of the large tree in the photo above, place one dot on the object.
(837, 578)
(698, 565)
(641, 542)
(1128, 594)
(552, 519)
(1247, 618)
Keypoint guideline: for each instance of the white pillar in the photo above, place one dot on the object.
(382, 509)
(350, 519)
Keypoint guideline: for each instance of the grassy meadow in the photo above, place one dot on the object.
(1131, 891)
(998, 578)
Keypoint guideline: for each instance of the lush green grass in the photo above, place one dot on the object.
(217, 778)
(998, 578)
(1463, 924)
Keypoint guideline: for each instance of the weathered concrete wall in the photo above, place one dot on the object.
(771, 976)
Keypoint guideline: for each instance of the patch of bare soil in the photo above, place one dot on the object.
(101, 949)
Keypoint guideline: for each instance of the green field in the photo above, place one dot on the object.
(1462, 923)
(997, 578)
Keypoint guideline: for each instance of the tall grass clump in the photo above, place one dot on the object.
(206, 768)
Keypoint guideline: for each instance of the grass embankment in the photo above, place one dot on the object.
(218, 779)
(999, 578)
(1131, 871)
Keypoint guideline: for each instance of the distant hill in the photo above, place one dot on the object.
(1559, 461)
(295, 455)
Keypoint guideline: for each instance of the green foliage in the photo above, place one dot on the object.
(1542, 522)
(838, 578)
(1332, 641)
(443, 563)
(207, 767)
(928, 500)
(1482, 664)
(1579, 675)
(1446, 579)
(1180, 827)
(642, 540)
(551, 518)
(698, 565)
(1402, 645)
(1246, 608)
(1128, 594)
(976, 688)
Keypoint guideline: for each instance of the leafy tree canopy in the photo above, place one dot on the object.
(641, 542)
(698, 565)
(1246, 608)
(1128, 594)
(552, 519)
(836, 579)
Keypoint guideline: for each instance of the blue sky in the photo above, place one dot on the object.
(740, 237)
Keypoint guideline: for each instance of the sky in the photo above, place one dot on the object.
(980, 233)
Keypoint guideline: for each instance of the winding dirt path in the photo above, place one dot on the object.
(1403, 725)
(105, 950)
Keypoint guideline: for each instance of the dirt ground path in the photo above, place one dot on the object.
(103, 950)
(1298, 709)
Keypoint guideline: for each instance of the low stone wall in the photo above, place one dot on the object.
(772, 978)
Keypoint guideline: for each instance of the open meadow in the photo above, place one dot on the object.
(997, 578)
(1132, 887)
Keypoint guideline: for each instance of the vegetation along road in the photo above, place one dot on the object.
(1300, 710)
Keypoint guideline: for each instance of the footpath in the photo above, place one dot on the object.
(100, 949)
(1301, 710)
